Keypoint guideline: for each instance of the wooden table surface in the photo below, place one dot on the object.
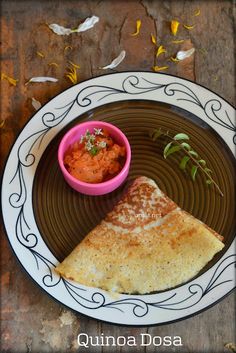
(31, 320)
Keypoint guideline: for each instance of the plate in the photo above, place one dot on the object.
(45, 219)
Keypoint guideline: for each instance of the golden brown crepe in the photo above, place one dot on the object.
(147, 243)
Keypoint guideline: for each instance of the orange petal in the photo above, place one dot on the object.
(174, 26)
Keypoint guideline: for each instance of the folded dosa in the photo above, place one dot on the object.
(145, 244)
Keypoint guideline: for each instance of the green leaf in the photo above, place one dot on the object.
(181, 136)
(171, 150)
(184, 162)
(87, 134)
(166, 149)
(193, 153)
(155, 134)
(208, 181)
(186, 146)
(94, 151)
(194, 172)
(208, 170)
(202, 162)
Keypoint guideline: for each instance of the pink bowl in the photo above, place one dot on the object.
(74, 135)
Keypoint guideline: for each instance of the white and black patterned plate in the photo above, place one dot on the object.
(160, 96)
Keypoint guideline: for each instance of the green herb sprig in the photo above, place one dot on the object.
(178, 143)
(90, 143)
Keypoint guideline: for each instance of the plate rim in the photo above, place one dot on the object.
(109, 322)
(107, 74)
(2, 179)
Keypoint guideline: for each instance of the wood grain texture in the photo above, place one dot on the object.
(31, 320)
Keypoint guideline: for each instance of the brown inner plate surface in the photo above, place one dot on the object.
(64, 216)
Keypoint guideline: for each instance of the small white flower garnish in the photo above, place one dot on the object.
(116, 61)
(36, 104)
(81, 139)
(92, 137)
(62, 31)
(42, 79)
(102, 144)
(88, 145)
(98, 131)
(87, 134)
(181, 55)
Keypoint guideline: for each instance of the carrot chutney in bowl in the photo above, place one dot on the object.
(94, 157)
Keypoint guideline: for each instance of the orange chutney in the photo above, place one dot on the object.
(95, 158)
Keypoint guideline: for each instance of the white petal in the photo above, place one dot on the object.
(116, 61)
(181, 55)
(60, 30)
(36, 104)
(43, 79)
(87, 24)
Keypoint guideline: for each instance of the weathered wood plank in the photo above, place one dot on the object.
(32, 321)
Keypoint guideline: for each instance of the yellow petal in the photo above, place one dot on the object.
(160, 50)
(178, 41)
(2, 123)
(72, 75)
(153, 39)
(174, 27)
(197, 12)
(189, 27)
(11, 80)
(76, 66)
(159, 68)
(175, 60)
(68, 47)
(138, 25)
(53, 64)
(72, 78)
(40, 54)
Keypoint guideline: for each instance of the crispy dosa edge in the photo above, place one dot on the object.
(136, 184)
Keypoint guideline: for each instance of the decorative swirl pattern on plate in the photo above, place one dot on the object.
(133, 85)
(140, 308)
(26, 158)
